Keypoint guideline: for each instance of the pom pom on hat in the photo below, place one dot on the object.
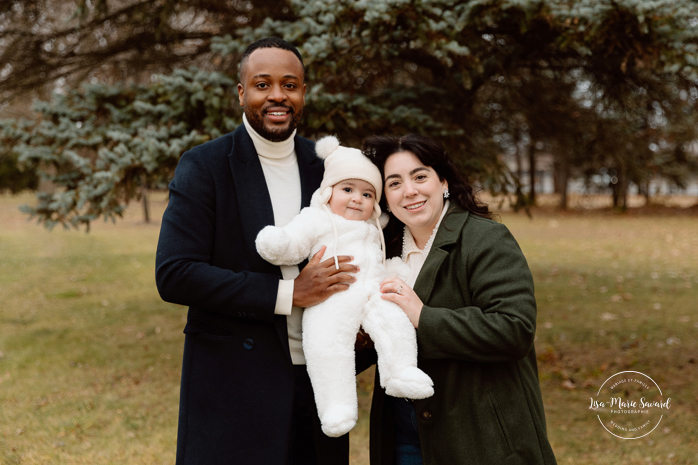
(325, 146)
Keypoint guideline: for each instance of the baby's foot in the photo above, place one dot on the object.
(411, 383)
(338, 420)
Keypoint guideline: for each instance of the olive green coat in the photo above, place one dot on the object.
(475, 340)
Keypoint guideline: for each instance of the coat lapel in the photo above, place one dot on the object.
(311, 169)
(252, 195)
(254, 201)
(448, 233)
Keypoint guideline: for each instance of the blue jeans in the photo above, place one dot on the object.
(408, 450)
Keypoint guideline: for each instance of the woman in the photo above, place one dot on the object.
(470, 298)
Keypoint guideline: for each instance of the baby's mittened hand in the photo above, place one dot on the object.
(396, 267)
(272, 244)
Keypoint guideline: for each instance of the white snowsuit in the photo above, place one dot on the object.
(330, 328)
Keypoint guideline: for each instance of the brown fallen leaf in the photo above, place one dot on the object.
(568, 384)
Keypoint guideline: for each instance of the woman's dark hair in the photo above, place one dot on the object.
(433, 155)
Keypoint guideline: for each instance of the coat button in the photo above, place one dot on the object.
(426, 414)
(248, 344)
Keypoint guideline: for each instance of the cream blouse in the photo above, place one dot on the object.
(413, 255)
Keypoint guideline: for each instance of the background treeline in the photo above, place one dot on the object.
(603, 86)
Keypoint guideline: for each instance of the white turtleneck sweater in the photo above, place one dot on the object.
(280, 167)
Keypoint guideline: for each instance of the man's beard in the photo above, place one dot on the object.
(256, 120)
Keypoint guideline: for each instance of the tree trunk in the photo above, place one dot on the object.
(562, 181)
(517, 155)
(620, 189)
(532, 173)
(646, 191)
(146, 206)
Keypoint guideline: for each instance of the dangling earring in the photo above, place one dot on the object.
(447, 194)
(388, 209)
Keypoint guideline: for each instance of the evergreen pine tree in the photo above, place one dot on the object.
(605, 84)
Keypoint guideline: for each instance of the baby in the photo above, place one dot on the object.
(338, 217)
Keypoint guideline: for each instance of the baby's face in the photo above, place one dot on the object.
(353, 199)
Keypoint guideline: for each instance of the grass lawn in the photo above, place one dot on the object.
(90, 355)
(615, 293)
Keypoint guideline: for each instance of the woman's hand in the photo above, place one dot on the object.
(397, 291)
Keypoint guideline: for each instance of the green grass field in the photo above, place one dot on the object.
(90, 355)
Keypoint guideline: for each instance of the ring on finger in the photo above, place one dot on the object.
(399, 291)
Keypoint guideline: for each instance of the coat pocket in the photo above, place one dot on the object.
(206, 329)
(500, 425)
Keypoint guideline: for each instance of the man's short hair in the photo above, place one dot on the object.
(269, 42)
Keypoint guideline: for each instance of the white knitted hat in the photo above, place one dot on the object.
(342, 163)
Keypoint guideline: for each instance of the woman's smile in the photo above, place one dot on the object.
(415, 206)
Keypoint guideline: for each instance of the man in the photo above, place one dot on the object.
(245, 394)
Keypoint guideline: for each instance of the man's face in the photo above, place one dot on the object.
(272, 93)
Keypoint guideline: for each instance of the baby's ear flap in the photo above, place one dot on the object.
(376, 211)
(383, 220)
(325, 195)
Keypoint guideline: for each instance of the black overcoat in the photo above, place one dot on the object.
(237, 378)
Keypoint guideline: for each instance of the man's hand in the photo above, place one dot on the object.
(318, 281)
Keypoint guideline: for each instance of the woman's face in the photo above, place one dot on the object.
(414, 192)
